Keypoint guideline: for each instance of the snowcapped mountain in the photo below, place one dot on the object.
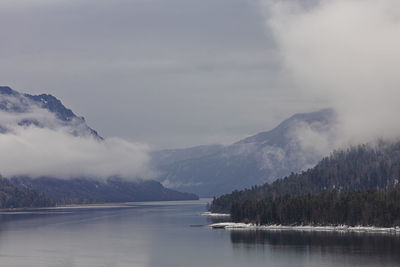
(44, 111)
(296, 144)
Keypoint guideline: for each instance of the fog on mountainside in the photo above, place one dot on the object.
(296, 144)
(51, 156)
(52, 141)
(348, 53)
(44, 138)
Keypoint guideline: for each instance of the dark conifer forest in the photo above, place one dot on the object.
(12, 196)
(357, 186)
(368, 208)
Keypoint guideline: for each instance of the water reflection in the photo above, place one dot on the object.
(160, 235)
(375, 249)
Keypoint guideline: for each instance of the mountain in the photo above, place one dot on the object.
(214, 170)
(19, 112)
(359, 168)
(80, 190)
(44, 111)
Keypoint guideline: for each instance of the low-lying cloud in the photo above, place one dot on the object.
(345, 51)
(52, 149)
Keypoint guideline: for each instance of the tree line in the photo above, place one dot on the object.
(357, 168)
(369, 208)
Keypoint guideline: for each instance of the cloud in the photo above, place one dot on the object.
(347, 52)
(316, 140)
(169, 73)
(52, 150)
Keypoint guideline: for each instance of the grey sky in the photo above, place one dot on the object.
(168, 73)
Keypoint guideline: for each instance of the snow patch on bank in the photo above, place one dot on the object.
(308, 228)
(210, 214)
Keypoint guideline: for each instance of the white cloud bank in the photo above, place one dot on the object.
(54, 151)
(346, 51)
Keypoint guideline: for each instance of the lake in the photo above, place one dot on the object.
(166, 234)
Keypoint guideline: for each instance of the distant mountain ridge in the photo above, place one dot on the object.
(81, 190)
(214, 170)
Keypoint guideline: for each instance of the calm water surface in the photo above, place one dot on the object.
(162, 235)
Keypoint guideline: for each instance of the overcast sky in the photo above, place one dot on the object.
(151, 74)
(176, 73)
(168, 73)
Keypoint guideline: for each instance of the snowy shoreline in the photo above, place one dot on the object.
(210, 214)
(305, 228)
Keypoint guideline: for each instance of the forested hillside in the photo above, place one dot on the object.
(14, 197)
(371, 207)
(356, 169)
(74, 191)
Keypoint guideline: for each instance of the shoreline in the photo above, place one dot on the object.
(211, 214)
(305, 228)
(104, 205)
